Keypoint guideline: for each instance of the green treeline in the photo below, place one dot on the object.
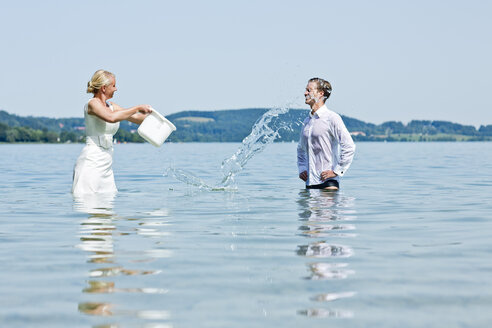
(234, 126)
(26, 134)
(15, 128)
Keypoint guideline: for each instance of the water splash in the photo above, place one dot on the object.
(192, 180)
(187, 177)
(264, 131)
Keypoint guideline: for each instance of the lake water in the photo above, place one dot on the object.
(404, 243)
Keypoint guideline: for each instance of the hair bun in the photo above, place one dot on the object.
(90, 88)
(98, 80)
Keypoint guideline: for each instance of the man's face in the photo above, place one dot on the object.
(312, 95)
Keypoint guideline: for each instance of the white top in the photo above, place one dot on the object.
(325, 144)
(94, 126)
(99, 131)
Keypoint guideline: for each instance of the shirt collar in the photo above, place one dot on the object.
(320, 112)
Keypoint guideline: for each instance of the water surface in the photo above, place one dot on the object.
(403, 243)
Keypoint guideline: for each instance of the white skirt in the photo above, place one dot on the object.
(93, 172)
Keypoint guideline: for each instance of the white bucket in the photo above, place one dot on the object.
(155, 128)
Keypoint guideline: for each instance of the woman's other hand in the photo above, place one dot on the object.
(145, 109)
(303, 176)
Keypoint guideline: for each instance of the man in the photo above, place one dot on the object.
(325, 149)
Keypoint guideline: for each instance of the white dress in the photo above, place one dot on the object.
(93, 172)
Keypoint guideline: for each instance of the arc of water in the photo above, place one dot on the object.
(261, 135)
(264, 131)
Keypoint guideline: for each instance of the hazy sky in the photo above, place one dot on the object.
(387, 60)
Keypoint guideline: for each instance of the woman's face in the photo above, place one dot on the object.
(311, 94)
(110, 89)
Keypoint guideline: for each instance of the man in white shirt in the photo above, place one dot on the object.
(325, 149)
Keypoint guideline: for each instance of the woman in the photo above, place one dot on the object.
(93, 172)
(325, 149)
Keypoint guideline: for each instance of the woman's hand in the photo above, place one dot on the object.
(327, 175)
(145, 109)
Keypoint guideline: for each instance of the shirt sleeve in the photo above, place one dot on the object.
(347, 147)
(302, 158)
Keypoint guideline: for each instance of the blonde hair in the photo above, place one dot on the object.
(99, 79)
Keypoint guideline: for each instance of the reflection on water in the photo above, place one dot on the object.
(325, 313)
(106, 309)
(99, 233)
(325, 230)
(325, 217)
(322, 271)
(108, 287)
(322, 249)
(116, 271)
(95, 204)
(103, 309)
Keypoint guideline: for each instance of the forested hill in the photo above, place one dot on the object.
(233, 126)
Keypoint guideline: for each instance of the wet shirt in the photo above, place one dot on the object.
(325, 144)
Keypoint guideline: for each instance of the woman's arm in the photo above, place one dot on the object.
(118, 114)
(136, 118)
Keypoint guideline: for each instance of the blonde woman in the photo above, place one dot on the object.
(93, 172)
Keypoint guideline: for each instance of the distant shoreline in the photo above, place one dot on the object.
(460, 139)
(236, 124)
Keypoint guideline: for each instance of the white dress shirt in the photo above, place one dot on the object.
(325, 144)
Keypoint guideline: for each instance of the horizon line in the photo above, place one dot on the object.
(267, 108)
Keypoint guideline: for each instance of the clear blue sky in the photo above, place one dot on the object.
(387, 60)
